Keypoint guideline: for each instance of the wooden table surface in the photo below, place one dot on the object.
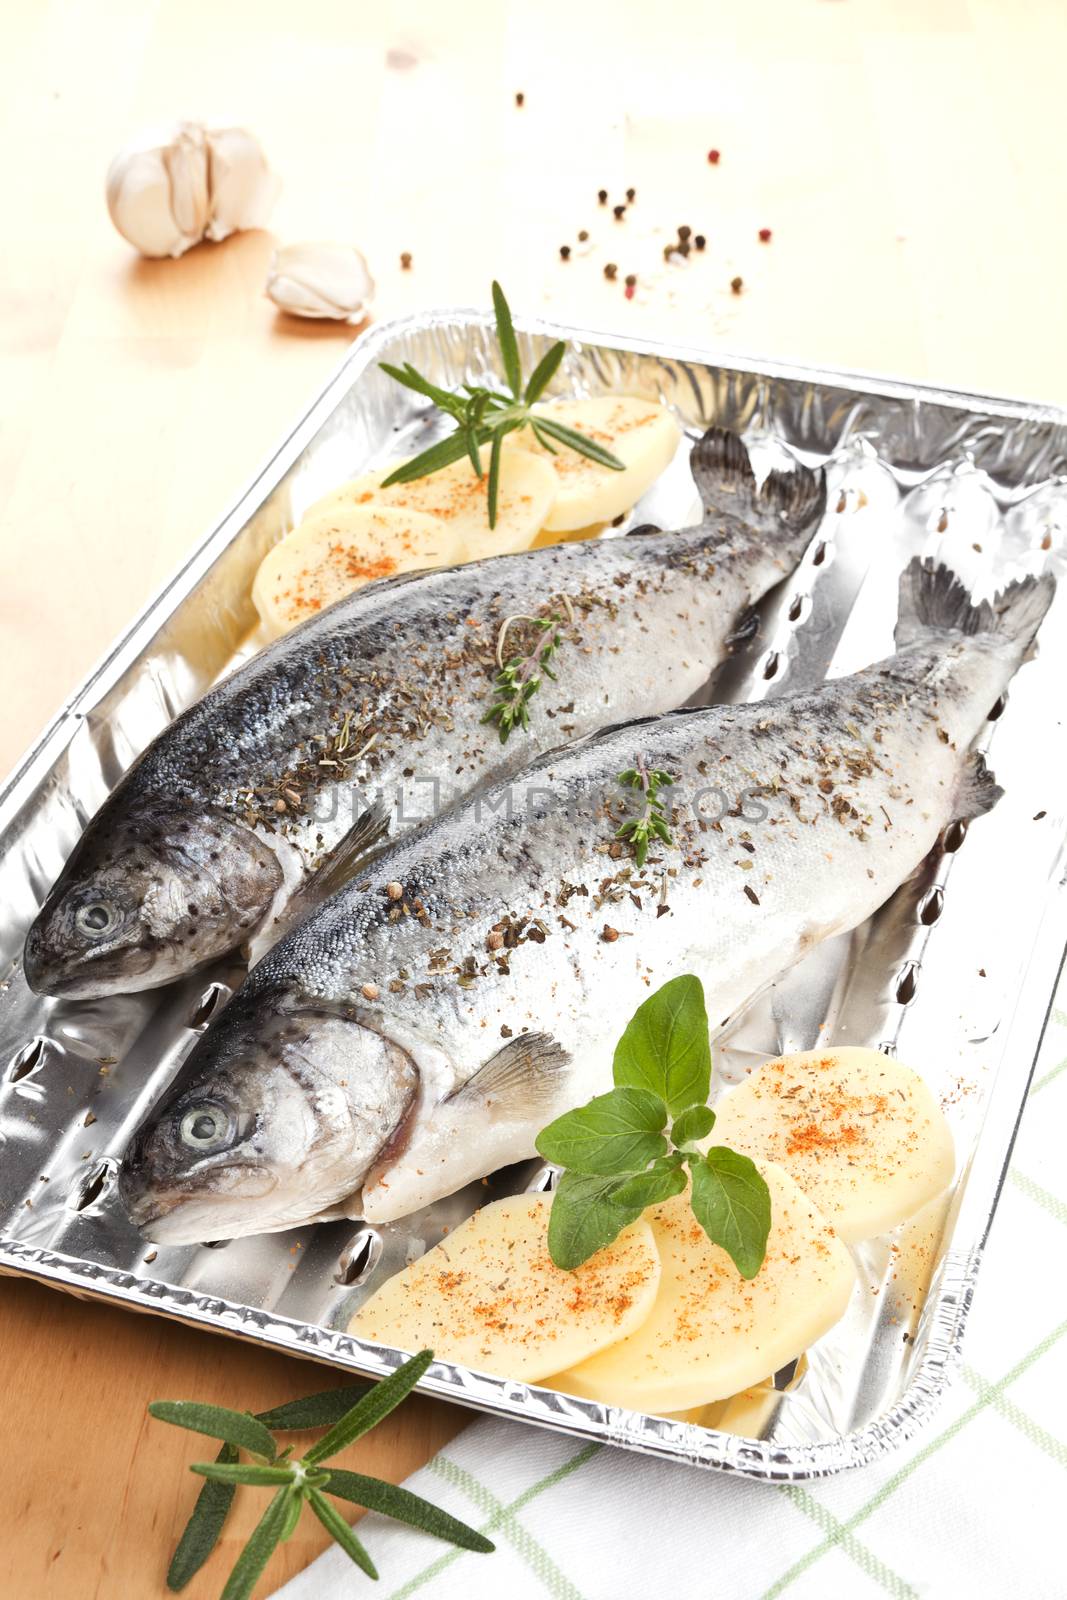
(908, 157)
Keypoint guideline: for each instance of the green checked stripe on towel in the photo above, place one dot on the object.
(973, 1507)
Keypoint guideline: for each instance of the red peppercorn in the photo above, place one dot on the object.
(765, 236)
(713, 158)
(629, 291)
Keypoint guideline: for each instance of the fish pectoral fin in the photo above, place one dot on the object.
(977, 790)
(523, 1077)
(745, 629)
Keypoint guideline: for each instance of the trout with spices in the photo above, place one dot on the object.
(388, 1052)
(242, 813)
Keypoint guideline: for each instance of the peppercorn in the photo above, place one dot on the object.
(700, 241)
(631, 195)
(620, 212)
(631, 279)
(736, 285)
(405, 260)
(583, 236)
(765, 236)
(564, 252)
(609, 934)
(713, 158)
(685, 233)
(370, 991)
(629, 291)
(610, 271)
(394, 891)
(602, 196)
(520, 99)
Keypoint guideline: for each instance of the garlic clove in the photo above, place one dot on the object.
(243, 188)
(157, 190)
(321, 280)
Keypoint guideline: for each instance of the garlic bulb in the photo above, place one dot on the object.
(174, 186)
(321, 280)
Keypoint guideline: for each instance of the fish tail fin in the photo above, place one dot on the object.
(722, 472)
(932, 599)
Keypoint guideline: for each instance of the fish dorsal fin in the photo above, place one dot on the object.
(977, 790)
(522, 1077)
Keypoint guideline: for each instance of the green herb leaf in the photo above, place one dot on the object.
(265, 1539)
(242, 1472)
(368, 1412)
(694, 1124)
(509, 347)
(403, 1506)
(584, 1218)
(494, 476)
(218, 1422)
(202, 1531)
(319, 1410)
(665, 1047)
(543, 440)
(414, 380)
(732, 1203)
(621, 1131)
(443, 454)
(650, 1188)
(336, 1525)
(292, 1516)
(579, 442)
(544, 372)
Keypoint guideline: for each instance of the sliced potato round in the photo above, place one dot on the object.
(490, 1297)
(712, 1333)
(861, 1134)
(460, 500)
(331, 554)
(640, 433)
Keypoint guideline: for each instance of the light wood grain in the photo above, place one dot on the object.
(908, 156)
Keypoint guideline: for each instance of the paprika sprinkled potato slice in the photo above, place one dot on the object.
(712, 1333)
(459, 499)
(490, 1297)
(335, 552)
(861, 1134)
(640, 433)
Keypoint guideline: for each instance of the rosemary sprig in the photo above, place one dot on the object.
(486, 416)
(652, 823)
(347, 1413)
(520, 675)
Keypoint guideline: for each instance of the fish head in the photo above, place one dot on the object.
(275, 1118)
(147, 897)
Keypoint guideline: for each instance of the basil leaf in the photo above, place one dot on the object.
(204, 1527)
(694, 1124)
(617, 1132)
(665, 1047)
(266, 1536)
(242, 1472)
(403, 1506)
(368, 1412)
(218, 1422)
(544, 372)
(509, 348)
(336, 1525)
(650, 1188)
(319, 1410)
(732, 1203)
(583, 1218)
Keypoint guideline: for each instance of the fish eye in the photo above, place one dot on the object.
(96, 919)
(205, 1127)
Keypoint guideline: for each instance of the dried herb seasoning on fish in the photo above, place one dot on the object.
(322, 1104)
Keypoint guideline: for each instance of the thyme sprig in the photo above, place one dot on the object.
(520, 675)
(347, 1413)
(652, 823)
(486, 416)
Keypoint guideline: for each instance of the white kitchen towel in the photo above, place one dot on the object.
(974, 1507)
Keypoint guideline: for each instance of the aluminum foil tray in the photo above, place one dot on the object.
(955, 974)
